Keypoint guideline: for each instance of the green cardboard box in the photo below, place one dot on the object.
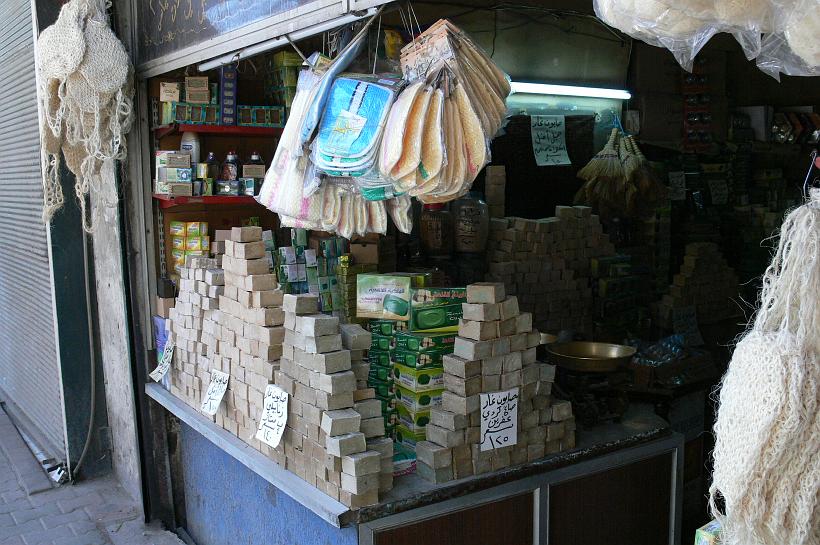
(709, 534)
(383, 296)
(383, 327)
(381, 342)
(436, 309)
(418, 380)
(418, 360)
(408, 437)
(379, 357)
(417, 401)
(414, 421)
(425, 342)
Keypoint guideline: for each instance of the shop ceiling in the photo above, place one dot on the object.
(556, 42)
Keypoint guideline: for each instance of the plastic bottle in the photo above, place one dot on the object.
(436, 230)
(190, 145)
(471, 216)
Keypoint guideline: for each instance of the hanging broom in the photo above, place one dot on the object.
(602, 173)
(645, 177)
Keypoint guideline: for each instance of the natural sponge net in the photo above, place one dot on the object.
(86, 92)
(767, 433)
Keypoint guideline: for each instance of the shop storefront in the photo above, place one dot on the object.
(434, 273)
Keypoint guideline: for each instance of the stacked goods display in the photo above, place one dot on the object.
(201, 284)
(418, 380)
(309, 266)
(496, 407)
(334, 437)
(188, 238)
(546, 263)
(705, 282)
(380, 375)
(355, 147)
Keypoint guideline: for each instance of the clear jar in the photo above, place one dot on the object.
(436, 230)
(472, 223)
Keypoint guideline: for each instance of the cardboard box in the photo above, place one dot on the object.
(708, 534)
(365, 252)
(436, 309)
(418, 380)
(169, 91)
(383, 296)
(197, 90)
(424, 342)
(418, 360)
(418, 401)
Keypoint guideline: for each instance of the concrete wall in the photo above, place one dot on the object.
(114, 343)
(225, 502)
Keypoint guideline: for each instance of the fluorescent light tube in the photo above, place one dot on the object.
(568, 90)
(274, 43)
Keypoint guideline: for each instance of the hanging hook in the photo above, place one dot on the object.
(812, 166)
(376, 52)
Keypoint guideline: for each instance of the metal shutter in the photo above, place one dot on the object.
(29, 367)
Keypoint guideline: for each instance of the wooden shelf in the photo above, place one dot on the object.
(169, 201)
(223, 130)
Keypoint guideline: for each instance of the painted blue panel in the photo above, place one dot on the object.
(225, 502)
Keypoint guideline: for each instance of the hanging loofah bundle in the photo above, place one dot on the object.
(86, 91)
(767, 433)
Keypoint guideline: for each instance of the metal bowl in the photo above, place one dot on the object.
(589, 356)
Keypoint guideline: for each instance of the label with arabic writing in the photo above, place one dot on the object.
(216, 390)
(164, 362)
(274, 416)
(499, 419)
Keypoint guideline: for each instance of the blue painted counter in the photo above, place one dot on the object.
(227, 503)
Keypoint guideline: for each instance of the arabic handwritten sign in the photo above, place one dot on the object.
(216, 390)
(677, 186)
(274, 416)
(499, 419)
(549, 143)
(719, 191)
(164, 362)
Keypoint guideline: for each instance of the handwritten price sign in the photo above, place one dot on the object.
(216, 390)
(274, 416)
(164, 362)
(549, 143)
(499, 419)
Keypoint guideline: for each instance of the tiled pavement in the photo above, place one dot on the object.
(95, 512)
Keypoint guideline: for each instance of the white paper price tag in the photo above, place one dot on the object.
(274, 416)
(164, 362)
(216, 390)
(499, 419)
(549, 143)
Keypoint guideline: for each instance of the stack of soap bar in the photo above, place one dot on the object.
(495, 350)
(248, 331)
(546, 263)
(189, 324)
(330, 419)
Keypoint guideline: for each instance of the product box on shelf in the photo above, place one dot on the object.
(383, 296)
(436, 309)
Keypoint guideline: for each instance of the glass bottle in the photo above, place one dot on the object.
(231, 167)
(472, 223)
(436, 230)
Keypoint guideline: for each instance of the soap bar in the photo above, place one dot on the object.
(481, 312)
(485, 292)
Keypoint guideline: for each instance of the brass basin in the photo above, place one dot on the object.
(589, 356)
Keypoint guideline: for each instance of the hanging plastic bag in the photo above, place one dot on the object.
(658, 24)
(794, 47)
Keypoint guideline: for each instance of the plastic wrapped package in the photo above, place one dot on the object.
(794, 47)
(350, 131)
(401, 212)
(393, 140)
(657, 23)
